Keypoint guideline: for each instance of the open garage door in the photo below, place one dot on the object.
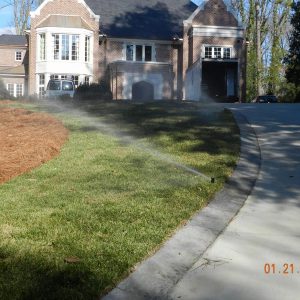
(219, 80)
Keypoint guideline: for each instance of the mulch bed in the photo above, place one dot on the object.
(27, 140)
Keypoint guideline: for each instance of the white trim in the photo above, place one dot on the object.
(37, 12)
(15, 89)
(218, 31)
(18, 52)
(231, 47)
(140, 62)
(143, 44)
(140, 41)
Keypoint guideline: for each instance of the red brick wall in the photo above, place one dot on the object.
(215, 14)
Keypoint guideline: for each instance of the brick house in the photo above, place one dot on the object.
(14, 63)
(145, 49)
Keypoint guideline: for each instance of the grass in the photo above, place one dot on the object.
(106, 200)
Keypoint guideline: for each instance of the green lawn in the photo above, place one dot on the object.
(110, 199)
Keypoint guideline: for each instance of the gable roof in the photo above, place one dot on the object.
(13, 40)
(142, 19)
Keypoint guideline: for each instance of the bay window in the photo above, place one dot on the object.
(65, 46)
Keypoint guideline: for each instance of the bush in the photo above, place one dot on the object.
(289, 93)
(3, 91)
(93, 91)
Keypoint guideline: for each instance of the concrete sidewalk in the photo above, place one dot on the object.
(167, 274)
(238, 265)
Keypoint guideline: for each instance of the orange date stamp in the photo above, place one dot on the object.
(284, 269)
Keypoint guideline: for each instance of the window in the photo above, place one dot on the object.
(41, 84)
(75, 47)
(227, 53)
(139, 53)
(148, 53)
(67, 86)
(217, 52)
(15, 89)
(129, 52)
(75, 79)
(208, 52)
(42, 46)
(65, 47)
(87, 48)
(18, 56)
(19, 90)
(11, 89)
(87, 80)
(56, 46)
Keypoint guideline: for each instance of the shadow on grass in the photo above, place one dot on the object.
(32, 277)
(210, 131)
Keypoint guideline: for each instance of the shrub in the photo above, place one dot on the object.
(93, 91)
(3, 91)
(289, 92)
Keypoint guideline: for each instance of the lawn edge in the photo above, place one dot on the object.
(155, 277)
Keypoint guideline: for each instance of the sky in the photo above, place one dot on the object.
(6, 17)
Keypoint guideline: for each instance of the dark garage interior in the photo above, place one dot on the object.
(219, 81)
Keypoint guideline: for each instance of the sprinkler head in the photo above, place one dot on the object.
(212, 180)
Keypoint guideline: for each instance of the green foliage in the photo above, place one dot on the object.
(3, 91)
(288, 92)
(93, 91)
(293, 57)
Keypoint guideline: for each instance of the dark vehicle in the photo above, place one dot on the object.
(265, 99)
(57, 88)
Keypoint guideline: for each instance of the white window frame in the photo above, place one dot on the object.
(87, 48)
(214, 52)
(42, 46)
(73, 52)
(42, 80)
(143, 52)
(12, 89)
(18, 56)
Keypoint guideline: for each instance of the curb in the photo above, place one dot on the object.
(156, 276)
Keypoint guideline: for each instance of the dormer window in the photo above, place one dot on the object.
(217, 52)
(139, 52)
(18, 56)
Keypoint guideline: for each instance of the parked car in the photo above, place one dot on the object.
(57, 88)
(265, 99)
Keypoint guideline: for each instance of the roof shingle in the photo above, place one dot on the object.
(142, 19)
(12, 39)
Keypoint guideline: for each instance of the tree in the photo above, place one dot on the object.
(266, 24)
(293, 57)
(21, 11)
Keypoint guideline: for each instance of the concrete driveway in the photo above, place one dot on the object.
(258, 255)
(255, 255)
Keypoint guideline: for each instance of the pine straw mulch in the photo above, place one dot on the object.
(27, 140)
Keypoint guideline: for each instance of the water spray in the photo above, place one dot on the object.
(107, 129)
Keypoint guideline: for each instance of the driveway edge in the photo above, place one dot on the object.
(156, 276)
